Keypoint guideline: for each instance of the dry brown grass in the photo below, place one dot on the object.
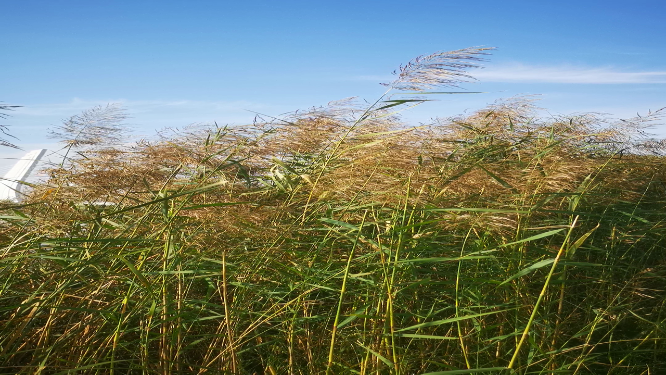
(495, 156)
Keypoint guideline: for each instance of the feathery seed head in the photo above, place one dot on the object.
(439, 69)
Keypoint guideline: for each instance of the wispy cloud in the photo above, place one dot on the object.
(76, 105)
(566, 74)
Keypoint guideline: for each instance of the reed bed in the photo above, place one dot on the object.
(343, 241)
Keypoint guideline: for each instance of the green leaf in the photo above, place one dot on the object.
(394, 103)
(339, 223)
(476, 209)
(634, 217)
(572, 249)
(499, 180)
(9, 217)
(426, 337)
(451, 320)
(529, 269)
(532, 238)
(381, 357)
(137, 273)
(353, 316)
(444, 259)
(468, 371)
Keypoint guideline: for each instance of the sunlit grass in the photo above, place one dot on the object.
(344, 241)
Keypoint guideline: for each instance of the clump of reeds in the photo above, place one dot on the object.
(342, 240)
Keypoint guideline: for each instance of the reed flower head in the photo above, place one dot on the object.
(101, 125)
(439, 69)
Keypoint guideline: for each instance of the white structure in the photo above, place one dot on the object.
(11, 183)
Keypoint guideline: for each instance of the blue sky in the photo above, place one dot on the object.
(173, 63)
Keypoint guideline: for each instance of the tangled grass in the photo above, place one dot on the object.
(344, 241)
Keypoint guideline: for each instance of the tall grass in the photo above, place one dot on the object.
(343, 241)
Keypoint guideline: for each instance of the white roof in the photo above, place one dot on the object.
(11, 183)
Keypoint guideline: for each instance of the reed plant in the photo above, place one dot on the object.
(343, 241)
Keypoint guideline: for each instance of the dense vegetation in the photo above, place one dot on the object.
(341, 240)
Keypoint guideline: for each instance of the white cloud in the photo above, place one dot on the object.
(565, 74)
